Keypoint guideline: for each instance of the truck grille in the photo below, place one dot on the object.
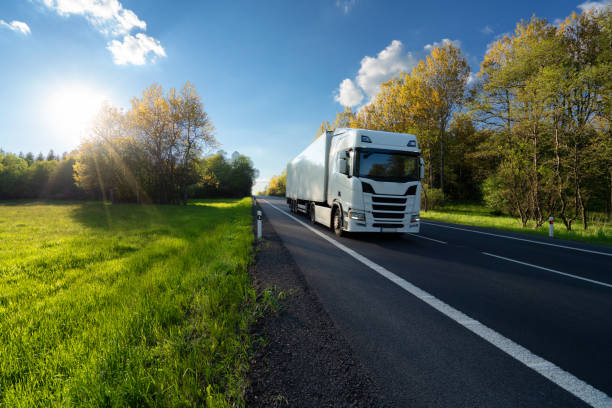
(387, 211)
(390, 200)
(388, 207)
(388, 215)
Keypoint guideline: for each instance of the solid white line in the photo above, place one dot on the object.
(563, 379)
(550, 270)
(424, 237)
(519, 239)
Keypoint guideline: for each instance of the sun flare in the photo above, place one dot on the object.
(71, 109)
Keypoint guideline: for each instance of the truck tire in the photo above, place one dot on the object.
(311, 213)
(337, 222)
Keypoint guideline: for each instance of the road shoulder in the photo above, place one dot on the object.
(302, 359)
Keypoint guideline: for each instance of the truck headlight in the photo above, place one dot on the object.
(415, 218)
(357, 215)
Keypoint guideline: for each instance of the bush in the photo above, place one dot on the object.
(431, 198)
(493, 194)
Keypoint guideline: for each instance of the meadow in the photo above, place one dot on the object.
(125, 305)
(598, 232)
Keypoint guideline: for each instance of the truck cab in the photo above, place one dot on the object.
(357, 180)
(374, 181)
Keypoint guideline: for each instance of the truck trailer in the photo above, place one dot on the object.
(357, 180)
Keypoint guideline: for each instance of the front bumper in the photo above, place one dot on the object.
(371, 225)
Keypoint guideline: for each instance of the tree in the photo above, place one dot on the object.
(220, 177)
(12, 171)
(445, 73)
(243, 176)
(194, 133)
(344, 119)
(325, 126)
(277, 185)
(149, 152)
(29, 157)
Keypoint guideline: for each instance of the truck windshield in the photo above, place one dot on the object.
(387, 166)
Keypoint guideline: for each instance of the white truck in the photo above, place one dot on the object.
(356, 180)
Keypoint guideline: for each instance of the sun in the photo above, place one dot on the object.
(71, 108)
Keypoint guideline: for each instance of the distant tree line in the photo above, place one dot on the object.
(277, 186)
(153, 152)
(48, 177)
(529, 134)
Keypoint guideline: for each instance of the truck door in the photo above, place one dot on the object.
(341, 186)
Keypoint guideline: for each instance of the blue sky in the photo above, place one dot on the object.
(268, 71)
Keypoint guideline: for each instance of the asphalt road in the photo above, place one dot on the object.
(453, 318)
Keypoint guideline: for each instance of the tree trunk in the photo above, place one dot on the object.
(537, 211)
(442, 161)
(430, 164)
(610, 202)
(582, 210)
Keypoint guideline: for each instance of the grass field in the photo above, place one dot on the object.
(598, 232)
(124, 305)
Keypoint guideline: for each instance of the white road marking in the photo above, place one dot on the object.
(549, 270)
(424, 237)
(520, 239)
(557, 375)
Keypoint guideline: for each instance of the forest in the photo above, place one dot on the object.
(528, 135)
(156, 152)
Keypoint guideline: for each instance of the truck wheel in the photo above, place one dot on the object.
(311, 212)
(337, 222)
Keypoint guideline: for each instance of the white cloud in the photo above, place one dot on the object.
(17, 26)
(111, 19)
(595, 6)
(443, 43)
(471, 78)
(348, 94)
(376, 70)
(388, 62)
(345, 5)
(108, 16)
(135, 49)
(486, 30)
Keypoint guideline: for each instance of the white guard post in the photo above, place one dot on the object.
(258, 224)
(551, 224)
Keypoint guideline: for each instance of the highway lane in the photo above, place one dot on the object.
(421, 357)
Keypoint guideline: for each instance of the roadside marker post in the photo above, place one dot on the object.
(258, 224)
(551, 227)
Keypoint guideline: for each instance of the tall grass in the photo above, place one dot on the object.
(124, 305)
(598, 231)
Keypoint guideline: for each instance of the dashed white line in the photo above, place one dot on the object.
(519, 239)
(424, 237)
(549, 270)
(563, 379)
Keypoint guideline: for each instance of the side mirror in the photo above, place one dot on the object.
(342, 165)
(422, 169)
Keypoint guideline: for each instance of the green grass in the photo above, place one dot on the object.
(598, 232)
(124, 305)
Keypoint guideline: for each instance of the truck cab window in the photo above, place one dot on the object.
(347, 154)
(388, 166)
